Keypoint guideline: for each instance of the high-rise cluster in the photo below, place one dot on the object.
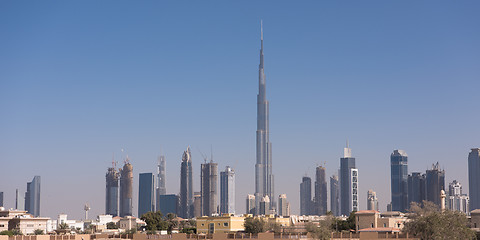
(119, 204)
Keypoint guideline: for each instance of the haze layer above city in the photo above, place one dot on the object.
(79, 81)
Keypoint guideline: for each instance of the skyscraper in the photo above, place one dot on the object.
(250, 204)
(263, 167)
(186, 185)
(264, 206)
(320, 191)
(474, 178)
(197, 204)
(227, 191)
(457, 201)
(32, 197)
(334, 195)
(372, 201)
(126, 188)
(168, 204)
(283, 205)
(146, 193)
(348, 183)
(111, 191)
(306, 196)
(416, 188)
(208, 184)
(399, 180)
(435, 182)
(161, 177)
(1, 199)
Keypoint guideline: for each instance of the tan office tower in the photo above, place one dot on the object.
(126, 187)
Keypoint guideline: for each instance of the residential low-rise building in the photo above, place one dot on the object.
(372, 219)
(22, 221)
(220, 224)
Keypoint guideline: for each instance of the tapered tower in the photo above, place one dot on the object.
(263, 167)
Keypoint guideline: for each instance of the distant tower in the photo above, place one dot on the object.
(372, 202)
(334, 195)
(474, 178)
(197, 204)
(306, 196)
(126, 188)
(227, 191)
(264, 206)
(348, 183)
(416, 188)
(457, 201)
(146, 193)
(162, 190)
(209, 181)
(250, 207)
(263, 168)
(283, 205)
(1, 199)
(32, 197)
(17, 205)
(111, 191)
(186, 185)
(435, 182)
(86, 208)
(442, 200)
(399, 180)
(320, 192)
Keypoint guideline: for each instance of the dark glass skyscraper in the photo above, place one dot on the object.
(435, 182)
(1, 199)
(348, 183)
(146, 193)
(416, 188)
(32, 197)
(320, 192)
(399, 180)
(126, 189)
(208, 185)
(186, 186)
(474, 178)
(334, 195)
(263, 167)
(111, 191)
(168, 204)
(306, 196)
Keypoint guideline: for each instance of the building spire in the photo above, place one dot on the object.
(261, 30)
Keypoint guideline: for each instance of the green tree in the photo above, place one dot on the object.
(254, 225)
(112, 225)
(322, 231)
(38, 232)
(429, 222)
(9, 233)
(154, 221)
(344, 225)
(17, 232)
(63, 226)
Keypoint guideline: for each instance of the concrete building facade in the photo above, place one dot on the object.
(126, 189)
(209, 188)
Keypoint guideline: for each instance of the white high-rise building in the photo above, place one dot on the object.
(372, 201)
(227, 191)
(250, 204)
(456, 200)
(283, 205)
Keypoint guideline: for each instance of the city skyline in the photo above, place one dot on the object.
(73, 92)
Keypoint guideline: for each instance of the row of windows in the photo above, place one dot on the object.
(225, 224)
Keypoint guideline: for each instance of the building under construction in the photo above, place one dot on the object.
(126, 185)
(111, 193)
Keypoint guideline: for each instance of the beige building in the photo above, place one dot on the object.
(220, 224)
(130, 222)
(475, 219)
(372, 219)
(21, 220)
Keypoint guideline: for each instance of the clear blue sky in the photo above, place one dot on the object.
(81, 80)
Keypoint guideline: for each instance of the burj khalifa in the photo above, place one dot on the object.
(263, 167)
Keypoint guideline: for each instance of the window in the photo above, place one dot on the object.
(225, 224)
(384, 225)
(218, 224)
(30, 225)
(372, 225)
(211, 228)
(2, 225)
(203, 224)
